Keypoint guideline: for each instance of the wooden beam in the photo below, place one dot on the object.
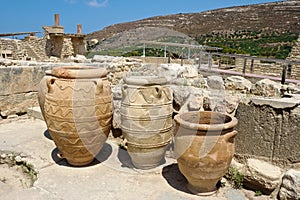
(17, 33)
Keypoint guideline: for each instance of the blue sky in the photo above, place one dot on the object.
(94, 15)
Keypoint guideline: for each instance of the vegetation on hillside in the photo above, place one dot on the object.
(126, 52)
(254, 43)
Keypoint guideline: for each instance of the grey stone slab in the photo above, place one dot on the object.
(286, 144)
(100, 181)
(21, 131)
(279, 103)
(30, 137)
(35, 112)
(256, 130)
(32, 193)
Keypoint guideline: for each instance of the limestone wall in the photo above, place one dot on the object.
(269, 69)
(41, 49)
(19, 84)
(163, 60)
(18, 88)
(14, 46)
(35, 47)
(67, 48)
(269, 129)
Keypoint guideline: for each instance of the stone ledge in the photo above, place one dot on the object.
(278, 103)
(35, 112)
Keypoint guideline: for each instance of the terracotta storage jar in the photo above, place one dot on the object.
(146, 119)
(77, 108)
(204, 148)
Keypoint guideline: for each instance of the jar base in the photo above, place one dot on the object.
(197, 192)
(78, 164)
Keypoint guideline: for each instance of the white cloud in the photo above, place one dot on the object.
(96, 3)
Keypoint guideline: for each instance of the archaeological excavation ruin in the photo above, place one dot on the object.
(192, 126)
(55, 44)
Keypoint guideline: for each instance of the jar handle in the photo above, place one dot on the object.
(158, 89)
(60, 155)
(50, 82)
(99, 87)
(124, 88)
(230, 136)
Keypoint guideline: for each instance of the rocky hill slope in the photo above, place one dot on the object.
(283, 16)
(132, 37)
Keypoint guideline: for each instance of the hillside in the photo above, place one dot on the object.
(276, 17)
(261, 19)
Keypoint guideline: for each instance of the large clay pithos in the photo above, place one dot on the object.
(77, 108)
(146, 119)
(204, 147)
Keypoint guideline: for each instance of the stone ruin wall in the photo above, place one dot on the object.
(273, 131)
(19, 84)
(269, 69)
(15, 46)
(67, 49)
(18, 88)
(269, 132)
(80, 46)
(41, 49)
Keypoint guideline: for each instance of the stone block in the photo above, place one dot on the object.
(290, 187)
(20, 79)
(269, 129)
(262, 176)
(35, 112)
(17, 103)
(256, 129)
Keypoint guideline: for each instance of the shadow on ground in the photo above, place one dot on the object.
(47, 134)
(124, 158)
(103, 155)
(174, 178)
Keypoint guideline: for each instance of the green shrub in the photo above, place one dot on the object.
(235, 177)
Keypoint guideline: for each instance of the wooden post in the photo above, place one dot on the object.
(220, 61)
(181, 61)
(252, 64)
(289, 70)
(245, 64)
(283, 74)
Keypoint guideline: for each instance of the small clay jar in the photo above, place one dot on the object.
(204, 147)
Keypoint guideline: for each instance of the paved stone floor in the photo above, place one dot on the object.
(110, 176)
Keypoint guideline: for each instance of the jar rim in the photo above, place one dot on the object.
(217, 121)
(71, 72)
